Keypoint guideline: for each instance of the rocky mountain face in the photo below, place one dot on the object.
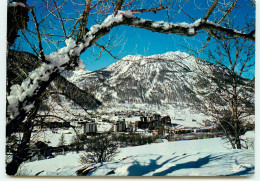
(170, 78)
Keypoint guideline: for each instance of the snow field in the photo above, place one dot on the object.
(207, 157)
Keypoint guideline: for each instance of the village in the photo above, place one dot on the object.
(143, 123)
(142, 127)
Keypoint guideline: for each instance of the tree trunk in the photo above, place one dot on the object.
(235, 113)
(237, 135)
(22, 151)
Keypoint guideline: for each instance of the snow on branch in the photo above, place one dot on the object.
(15, 4)
(187, 29)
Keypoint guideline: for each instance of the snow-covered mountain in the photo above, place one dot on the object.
(171, 83)
(170, 78)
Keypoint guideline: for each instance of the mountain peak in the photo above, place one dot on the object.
(167, 55)
(176, 53)
(133, 57)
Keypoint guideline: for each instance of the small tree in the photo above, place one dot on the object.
(230, 95)
(100, 148)
(62, 142)
(76, 143)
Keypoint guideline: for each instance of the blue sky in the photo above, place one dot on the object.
(144, 42)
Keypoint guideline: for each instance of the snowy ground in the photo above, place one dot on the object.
(207, 157)
(52, 137)
(234, 163)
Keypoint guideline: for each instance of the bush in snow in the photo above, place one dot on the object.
(248, 140)
(132, 139)
(99, 148)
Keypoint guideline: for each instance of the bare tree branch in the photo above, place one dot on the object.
(150, 9)
(39, 36)
(228, 11)
(209, 12)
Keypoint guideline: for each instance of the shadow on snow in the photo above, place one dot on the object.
(138, 169)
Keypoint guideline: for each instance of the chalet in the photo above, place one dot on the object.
(89, 127)
(193, 130)
(178, 119)
(166, 120)
(204, 130)
(141, 124)
(152, 121)
(120, 113)
(137, 113)
(120, 126)
(54, 124)
(174, 124)
(183, 131)
(143, 119)
(156, 117)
